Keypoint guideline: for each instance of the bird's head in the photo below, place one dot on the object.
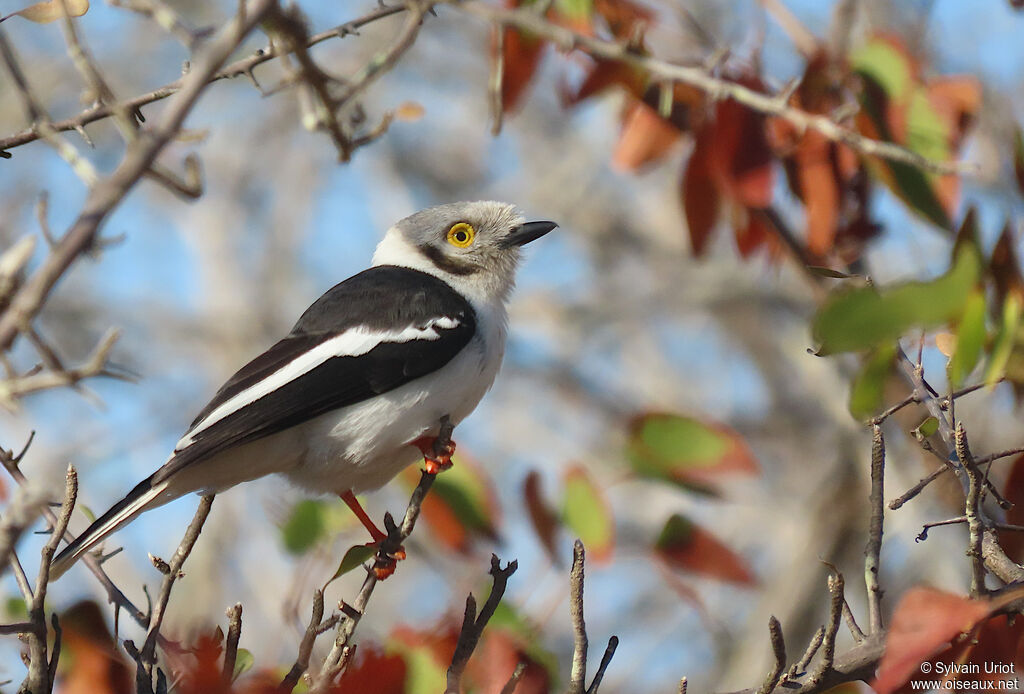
(473, 246)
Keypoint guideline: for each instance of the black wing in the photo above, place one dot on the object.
(379, 300)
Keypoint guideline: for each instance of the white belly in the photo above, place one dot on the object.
(361, 447)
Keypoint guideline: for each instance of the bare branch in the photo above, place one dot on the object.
(873, 549)
(972, 510)
(107, 194)
(578, 674)
(147, 656)
(473, 626)
(243, 66)
(513, 681)
(234, 614)
(606, 659)
(779, 651)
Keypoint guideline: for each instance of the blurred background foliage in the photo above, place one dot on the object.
(664, 395)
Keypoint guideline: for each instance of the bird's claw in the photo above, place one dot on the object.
(387, 559)
(437, 454)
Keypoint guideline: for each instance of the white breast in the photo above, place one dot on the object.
(363, 446)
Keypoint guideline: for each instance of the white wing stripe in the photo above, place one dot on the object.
(353, 342)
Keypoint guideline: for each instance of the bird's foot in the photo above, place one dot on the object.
(437, 452)
(387, 558)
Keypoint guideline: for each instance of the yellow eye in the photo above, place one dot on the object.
(461, 235)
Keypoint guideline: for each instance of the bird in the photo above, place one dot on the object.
(359, 388)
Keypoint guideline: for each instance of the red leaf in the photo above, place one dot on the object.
(1005, 269)
(926, 620)
(685, 545)
(542, 516)
(754, 233)
(520, 57)
(1013, 542)
(1018, 157)
(741, 160)
(498, 656)
(645, 138)
(701, 202)
(374, 672)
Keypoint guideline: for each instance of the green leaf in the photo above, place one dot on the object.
(926, 428)
(685, 451)
(970, 338)
(867, 394)
(587, 512)
(465, 492)
(886, 64)
(243, 663)
(87, 512)
(891, 85)
(15, 608)
(575, 10)
(423, 674)
(862, 318)
(355, 556)
(1003, 346)
(305, 526)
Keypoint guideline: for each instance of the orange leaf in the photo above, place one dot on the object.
(95, 665)
(542, 516)
(819, 190)
(645, 138)
(926, 620)
(520, 57)
(685, 545)
(701, 201)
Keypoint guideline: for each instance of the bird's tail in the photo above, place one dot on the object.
(139, 499)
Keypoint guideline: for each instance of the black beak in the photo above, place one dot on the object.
(524, 233)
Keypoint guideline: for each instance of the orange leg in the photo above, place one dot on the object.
(436, 458)
(353, 503)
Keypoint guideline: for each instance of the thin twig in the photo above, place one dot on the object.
(243, 66)
(972, 510)
(147, 656)
(835, 613)
(606, 659)
(872, 551)
(800, 666)
(578, 673)
(234, 614)
(473, 625)
(38, 678)
(108, 193)
(496, 79)
(779, 651)
(513, 681)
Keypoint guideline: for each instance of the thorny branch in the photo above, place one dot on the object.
(702, 79)
(107, 193)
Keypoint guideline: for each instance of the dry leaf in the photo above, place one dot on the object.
(409, 111)
(51, 10)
